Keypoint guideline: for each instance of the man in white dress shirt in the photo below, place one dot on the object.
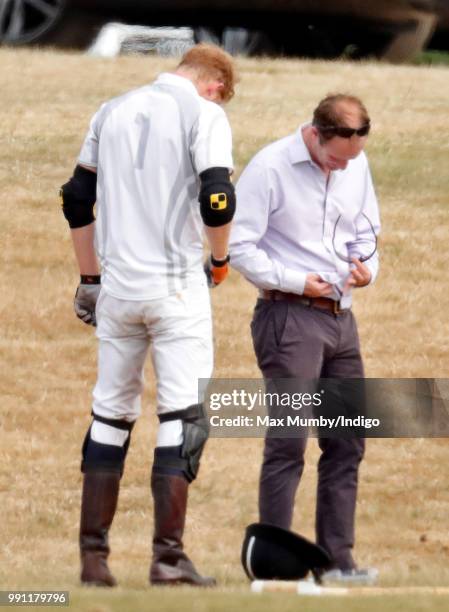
(306, 236)
(157, 162)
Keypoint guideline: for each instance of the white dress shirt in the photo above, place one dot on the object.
(286, 225)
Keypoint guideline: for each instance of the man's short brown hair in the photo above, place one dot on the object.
(331, 112)
(212, 62)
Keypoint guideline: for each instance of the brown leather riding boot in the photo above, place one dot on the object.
(100, 494)
(170, 564)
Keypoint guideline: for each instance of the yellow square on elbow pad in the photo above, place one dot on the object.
(218, 201)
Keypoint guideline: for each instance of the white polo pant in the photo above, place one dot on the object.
(178, 331)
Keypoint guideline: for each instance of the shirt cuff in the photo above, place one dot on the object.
(90, 164)
(220, 164)
(293, 281)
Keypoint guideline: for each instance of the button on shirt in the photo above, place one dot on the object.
(148, 147)
(291, 219)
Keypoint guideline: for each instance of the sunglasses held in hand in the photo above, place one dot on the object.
(363, 257)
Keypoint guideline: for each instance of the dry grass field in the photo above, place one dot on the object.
(48, 357)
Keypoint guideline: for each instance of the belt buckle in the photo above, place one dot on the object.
(336, 308)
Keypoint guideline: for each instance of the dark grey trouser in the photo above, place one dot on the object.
(294, 341)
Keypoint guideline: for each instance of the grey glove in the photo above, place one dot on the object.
(86, 297)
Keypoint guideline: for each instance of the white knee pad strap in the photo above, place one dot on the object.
(107, 434)
(170, 434)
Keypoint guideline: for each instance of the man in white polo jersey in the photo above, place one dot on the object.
(157, 162)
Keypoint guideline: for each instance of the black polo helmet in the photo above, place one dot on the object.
(273, 553)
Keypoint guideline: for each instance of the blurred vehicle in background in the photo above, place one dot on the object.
(391, 29)
(440, 40)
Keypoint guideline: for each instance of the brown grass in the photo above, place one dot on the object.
(48, 357)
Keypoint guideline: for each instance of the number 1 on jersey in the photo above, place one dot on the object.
(144, 122)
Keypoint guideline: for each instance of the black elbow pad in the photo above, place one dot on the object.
(217, 197)
(78, 197)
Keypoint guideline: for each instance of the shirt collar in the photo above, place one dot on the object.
(298, 152)
(169, 78)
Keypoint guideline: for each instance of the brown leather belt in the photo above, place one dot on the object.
(321, 303)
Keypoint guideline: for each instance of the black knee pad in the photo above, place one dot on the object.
(184, 459)
(105, 457)
(168, 460)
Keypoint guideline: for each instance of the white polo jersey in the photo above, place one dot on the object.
(148, 147)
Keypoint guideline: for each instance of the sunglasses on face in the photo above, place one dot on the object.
(345, 132)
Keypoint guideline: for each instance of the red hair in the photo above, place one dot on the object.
(212, 62)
